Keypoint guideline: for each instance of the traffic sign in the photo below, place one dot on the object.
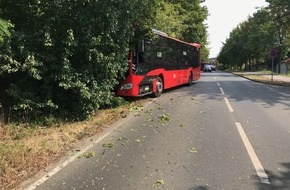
(273, 53)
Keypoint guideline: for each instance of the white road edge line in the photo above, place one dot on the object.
(62, 165)
(253, 156)
(229, 105)
(218, 84)
(59, 167)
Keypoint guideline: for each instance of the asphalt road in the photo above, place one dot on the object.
(223, 132)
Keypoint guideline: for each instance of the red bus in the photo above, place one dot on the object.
(160, 63)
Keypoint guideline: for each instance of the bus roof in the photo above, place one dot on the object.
(160, 33)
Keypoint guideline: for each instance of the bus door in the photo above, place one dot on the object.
(183, 64)
(194, 60)
(141, 58)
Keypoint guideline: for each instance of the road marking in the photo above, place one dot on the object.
(229, 105)
(253, 156)
(222, 91)
(63, 164)
(226, 99)
(60, 166)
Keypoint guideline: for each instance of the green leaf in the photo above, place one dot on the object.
(193, 150)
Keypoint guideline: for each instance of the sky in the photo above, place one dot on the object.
(224, 16)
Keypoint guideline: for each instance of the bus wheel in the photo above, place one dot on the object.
(190, 80)
(159, 87)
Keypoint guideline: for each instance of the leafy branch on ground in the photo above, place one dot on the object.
(158, 183)
(164, 118)
(193, 150)
(88, 155)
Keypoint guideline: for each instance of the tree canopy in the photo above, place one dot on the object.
(4, 29)
(251, 41)
(184, 19)
(63, 58)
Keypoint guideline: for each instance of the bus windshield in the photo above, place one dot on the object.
(141, 58)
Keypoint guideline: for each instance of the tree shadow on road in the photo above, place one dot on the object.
(199, 188)
(279, 181)
(241, 90)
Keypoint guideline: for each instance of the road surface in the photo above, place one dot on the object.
(223, 132)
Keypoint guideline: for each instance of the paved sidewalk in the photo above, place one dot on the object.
(281, 78)
(278, 79)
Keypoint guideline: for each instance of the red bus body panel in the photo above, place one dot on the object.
(170, 79)
(135, 80)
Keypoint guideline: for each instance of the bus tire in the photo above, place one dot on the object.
(189, 80)
(159, 87)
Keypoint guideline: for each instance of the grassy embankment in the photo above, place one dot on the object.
(26, 150)
(266, 77)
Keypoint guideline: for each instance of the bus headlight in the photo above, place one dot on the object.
(127, 86)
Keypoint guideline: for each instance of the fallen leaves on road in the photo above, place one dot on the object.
(193, 150)
(158, 183)
(138, 140)
(88, 155)
(149, 111)
(164, 118)
(122, 139)
(183, 125)
(134, 108)
(149, 119)
(134, 130)
(108, 145)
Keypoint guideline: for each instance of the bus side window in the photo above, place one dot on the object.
(194, 57)
(170, 61)
(183, 57)
(175, 55)
(148, 47)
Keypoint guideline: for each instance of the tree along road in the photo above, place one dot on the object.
(223, 132)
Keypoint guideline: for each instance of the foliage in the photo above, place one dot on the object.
(64, 58)
(280, 15)
(250, 42)
(168, 19)
(4, 29)
(184, 19)
(252, 39)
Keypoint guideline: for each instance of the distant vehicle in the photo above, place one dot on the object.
(207, 68)
(213, 67)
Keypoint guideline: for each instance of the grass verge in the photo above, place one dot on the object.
(264, 78)
(24, 151)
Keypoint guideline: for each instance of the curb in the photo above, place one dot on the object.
(264, 80)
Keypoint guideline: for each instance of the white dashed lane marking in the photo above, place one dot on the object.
(229, 105)
(222, 91)
(251, 152)
(253, 156)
